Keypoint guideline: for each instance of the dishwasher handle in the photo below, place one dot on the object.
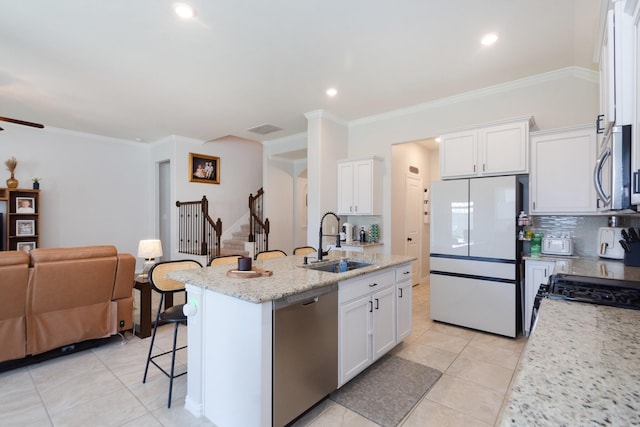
(311, 301)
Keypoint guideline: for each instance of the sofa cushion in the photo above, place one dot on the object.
(14, 276)
(69, 296)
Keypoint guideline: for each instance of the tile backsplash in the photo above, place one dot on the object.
(582, 229)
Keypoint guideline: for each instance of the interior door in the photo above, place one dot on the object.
(413, 201)
(450, 217)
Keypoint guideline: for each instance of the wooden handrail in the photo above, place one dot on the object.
(257, 223)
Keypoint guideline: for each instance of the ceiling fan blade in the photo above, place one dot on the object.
(21, 122)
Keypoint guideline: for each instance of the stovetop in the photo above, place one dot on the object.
(595, 290)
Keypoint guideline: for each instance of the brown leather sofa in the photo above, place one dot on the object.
(63, 296)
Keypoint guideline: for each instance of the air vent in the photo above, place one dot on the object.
(264, 129)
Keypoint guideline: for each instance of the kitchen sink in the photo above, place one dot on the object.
(334, 266)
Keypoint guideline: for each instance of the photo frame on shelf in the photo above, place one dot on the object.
(25, 205)
(204, 169)
(26, 246)
(25, 227)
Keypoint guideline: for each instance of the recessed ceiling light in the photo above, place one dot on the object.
(184, 11)
(331, 92)
(489, 39)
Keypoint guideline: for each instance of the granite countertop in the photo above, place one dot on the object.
(591, 267)
(581, 366)
(288, 277)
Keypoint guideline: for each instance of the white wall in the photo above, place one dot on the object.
(279, 203)
(564, 98)
(240, 172)
(94, 189)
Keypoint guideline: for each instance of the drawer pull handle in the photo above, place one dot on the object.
(373, 284)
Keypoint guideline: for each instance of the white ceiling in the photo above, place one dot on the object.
(132, 69)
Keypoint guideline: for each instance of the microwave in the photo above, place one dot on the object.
(612, 173)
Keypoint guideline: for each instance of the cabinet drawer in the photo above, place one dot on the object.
(403, 272)
(359, 286)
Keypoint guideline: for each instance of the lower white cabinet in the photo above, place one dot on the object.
(535, 274)
(366, 322)
(404, 296)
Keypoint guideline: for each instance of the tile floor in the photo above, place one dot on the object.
(103, 386)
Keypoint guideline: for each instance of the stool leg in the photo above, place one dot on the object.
(153, 338)
(173, 362)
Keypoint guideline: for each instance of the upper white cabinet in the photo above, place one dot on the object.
(495, 149)
(360, 187)
(633, 7)
(617, 56)
(561, 179)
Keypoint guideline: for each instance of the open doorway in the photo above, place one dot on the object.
(414, 165)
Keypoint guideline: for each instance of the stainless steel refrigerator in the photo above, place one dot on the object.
(473, 260)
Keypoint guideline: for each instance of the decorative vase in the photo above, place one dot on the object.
(36, 185)
(12, 182)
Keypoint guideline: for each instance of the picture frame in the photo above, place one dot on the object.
(204, 169)
(25, 205)
(25, 227)
(26, 246)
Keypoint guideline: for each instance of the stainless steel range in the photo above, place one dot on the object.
(593, 290)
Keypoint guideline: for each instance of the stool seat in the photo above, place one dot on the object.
(173, 314)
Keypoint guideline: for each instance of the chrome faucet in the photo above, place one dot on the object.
(337, 236)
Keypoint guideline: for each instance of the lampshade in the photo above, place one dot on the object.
(150, 249)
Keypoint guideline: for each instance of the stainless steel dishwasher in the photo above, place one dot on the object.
(305, 351)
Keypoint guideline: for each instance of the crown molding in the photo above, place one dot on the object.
(577, 72)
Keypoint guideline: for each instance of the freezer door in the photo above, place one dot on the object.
(450, 217)
(492, 217)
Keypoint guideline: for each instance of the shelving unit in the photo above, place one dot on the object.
(19, 219)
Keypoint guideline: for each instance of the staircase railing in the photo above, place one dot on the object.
(258, 226)
(198, 233)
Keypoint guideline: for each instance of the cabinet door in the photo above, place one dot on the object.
(536, 273)
(362, 191)
(404, 294)
(561, 179)
(355, 347)
(459, 154)
(505, 149)
(383, 321)
(345, 188)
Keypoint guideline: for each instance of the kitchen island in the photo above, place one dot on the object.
(230, 332)
(581, 366)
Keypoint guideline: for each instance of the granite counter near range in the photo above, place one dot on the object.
(581, 366)
(289, 276)
(591, 267)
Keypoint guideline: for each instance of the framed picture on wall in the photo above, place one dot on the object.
(203, 168)
(25, 246)
(25, 227)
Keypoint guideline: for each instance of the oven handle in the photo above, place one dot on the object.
(597, 176)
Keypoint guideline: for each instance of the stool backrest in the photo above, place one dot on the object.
(303, 250)
(225, 260)
(158, 275)
(276, 253)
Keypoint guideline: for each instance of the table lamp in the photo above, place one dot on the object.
(149, 250)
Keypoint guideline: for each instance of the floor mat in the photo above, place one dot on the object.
(387, 390)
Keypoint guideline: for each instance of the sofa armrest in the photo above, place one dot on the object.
(125, 276)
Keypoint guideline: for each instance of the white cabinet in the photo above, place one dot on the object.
(497, 149)
(366, 322)
(561, 179)
(535, 274)
(404, 295)
(360, 187)
(635, 94)
(616, 66)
